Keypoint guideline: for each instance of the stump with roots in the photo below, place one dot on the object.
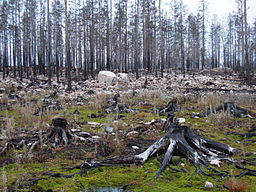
(230, 108)
(184, 141)
(59, 133)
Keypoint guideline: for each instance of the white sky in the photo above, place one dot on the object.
(222, 7)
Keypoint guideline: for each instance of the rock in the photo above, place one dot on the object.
(208, 184)
(181, 120)
(79, 98)
(123, 77)
(109, 130)
(106, 77)
(176, 158)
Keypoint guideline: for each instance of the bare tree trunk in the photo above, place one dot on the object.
(247, 64)
(67, 43)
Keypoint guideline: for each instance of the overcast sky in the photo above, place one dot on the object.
(222, 7)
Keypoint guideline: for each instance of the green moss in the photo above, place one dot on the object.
(20, 175)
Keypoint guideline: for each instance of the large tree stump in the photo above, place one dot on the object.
(184, 141)
(58, 133)
(230, 108)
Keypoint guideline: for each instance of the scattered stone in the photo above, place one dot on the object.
(109, 130)
(120, 108)
(208, 184)
(79, 99)
(181, 120)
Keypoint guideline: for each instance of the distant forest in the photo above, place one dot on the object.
(43, 37)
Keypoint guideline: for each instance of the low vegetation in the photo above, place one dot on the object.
(21, 171)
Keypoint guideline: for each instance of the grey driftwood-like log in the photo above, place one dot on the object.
(230, 108)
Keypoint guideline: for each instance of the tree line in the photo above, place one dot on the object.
(39, 37)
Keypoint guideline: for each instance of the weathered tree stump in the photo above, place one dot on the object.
(184, 141)
(58, 133)
(230, 108)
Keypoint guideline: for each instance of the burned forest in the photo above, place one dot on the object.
(126, 96)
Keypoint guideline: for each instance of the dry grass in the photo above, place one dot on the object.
(235, 185)
(221, 119)
(4, 100)
(99, 101)
(142, 115)
(4, 180)
(9, 127)
(27, 119)
(209, 101)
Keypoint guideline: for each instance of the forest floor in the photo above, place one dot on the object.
(27, 108)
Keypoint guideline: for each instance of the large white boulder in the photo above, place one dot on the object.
(106, 77)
